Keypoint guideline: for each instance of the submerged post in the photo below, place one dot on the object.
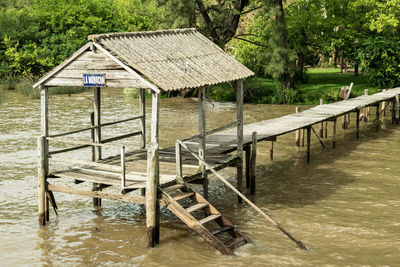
(397, 111)
(334, 133)
(321, 130)
(308, 143)
(142, 110)
(43, 148)
(377, 117)
(97, 138)
(202, 138)
(253, 163)
(357, 123)
(153, 176)
(297, 131)
(238, 84)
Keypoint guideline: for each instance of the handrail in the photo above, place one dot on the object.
(229, 125)
(72, 132)
(123, 120)
(77, 142)
(219, 176)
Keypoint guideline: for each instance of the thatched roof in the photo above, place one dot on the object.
(173, 59)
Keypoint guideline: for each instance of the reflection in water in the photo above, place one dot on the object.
(344, 206)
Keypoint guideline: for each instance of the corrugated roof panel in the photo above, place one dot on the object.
(174, 59)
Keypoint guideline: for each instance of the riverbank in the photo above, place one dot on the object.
(321, 83)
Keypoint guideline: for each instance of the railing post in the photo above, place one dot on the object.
(321, 130)
(142, 107)
(123, 168)
(253, 163)
(202, 139)
(42, 180)
(97, 138)
(153, 176)
(178, 156)
(239, 110)
(297, 131)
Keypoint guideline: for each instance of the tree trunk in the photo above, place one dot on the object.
(300, 65)
(356, 64)
(285, 76)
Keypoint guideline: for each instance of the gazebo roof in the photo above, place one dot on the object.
(170, 59)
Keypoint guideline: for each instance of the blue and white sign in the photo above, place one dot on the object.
(94, 80)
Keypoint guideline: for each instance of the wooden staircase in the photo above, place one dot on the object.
(198, 214)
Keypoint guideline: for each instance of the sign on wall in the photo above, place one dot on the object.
(94, 80)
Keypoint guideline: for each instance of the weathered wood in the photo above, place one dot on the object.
(397, 108)
(123, 168)
(319, 138)
(202, 138)
(178, 158)
(271, 150)
(112, 139)
(377, 117)
(366, 110)
(97, 137)
(239, 130)
(297, 131)
(247, 151)
(42, 180)
(357, 124)
(83, 143)
(229, 125)
(153, 172)
(71, 132)
(253, 164)
(109, 83)
(321, 130)
(120, 121)
(107, 167)
(308, 143)
(142, 110)
(96, 194)
(334, 133)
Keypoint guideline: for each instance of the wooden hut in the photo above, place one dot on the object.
(158, 61)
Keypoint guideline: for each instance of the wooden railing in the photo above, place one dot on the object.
(219, 129)
(108, 167)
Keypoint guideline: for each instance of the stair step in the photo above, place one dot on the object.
(197, 206)
(183, 196)
(173, 188)
(209, 218)
(222, 230)
(235, 242)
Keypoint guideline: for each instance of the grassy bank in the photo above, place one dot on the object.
(320, 83)
(24, 86)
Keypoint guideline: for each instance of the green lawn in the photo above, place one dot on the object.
(322, 83)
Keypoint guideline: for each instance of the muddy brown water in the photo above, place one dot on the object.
(345, 205)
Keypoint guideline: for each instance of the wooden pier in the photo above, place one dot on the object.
(156, 176)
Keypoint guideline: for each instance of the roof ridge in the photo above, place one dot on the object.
(95, 37)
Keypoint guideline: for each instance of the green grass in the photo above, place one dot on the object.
(326, 83)
(23, 85)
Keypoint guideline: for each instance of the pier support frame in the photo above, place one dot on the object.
(238, 85)
(43, 149)
(334, 133)
(97, 139)
(308, 143)
(153, 177)
(253, 163)
(357, 124)
(202, 138)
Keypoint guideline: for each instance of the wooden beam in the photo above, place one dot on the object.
(247, 151)
(153, 176)
(142, 110)
(96, 194)
(239, 110)
(97, 121)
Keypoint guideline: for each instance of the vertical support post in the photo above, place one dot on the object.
(239, 110)
(247, 158)
(326, 129)
(271, 150)
(202, 139)
(178, 157)
(397, 109)
(394, 110)
(302, 136)
(357, 123)
(377, 117)
(142, 107)
(366, 110)
(97, 138)
(321, 130)
(334, 133)
(308, 143)
(43, 146)
(253, 163)
(123, 169)
(153, 176)
(297, 131)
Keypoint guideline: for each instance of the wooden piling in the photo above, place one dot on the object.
(297, 131)
(142, 112)
(97, 139)
(308, 143)
(366, 110)
(153, 176)
(393, 111)
(326, 129)
(377, 117)
(247, 158)
(239, 108)
(334, 133)
(397, 111)
(321, 130)
(357, 124)
(271, 150)
(43, 149)
(253, 163)
(302, 136)
(202, 138)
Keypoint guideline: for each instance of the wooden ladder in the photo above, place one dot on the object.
(198, 214)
